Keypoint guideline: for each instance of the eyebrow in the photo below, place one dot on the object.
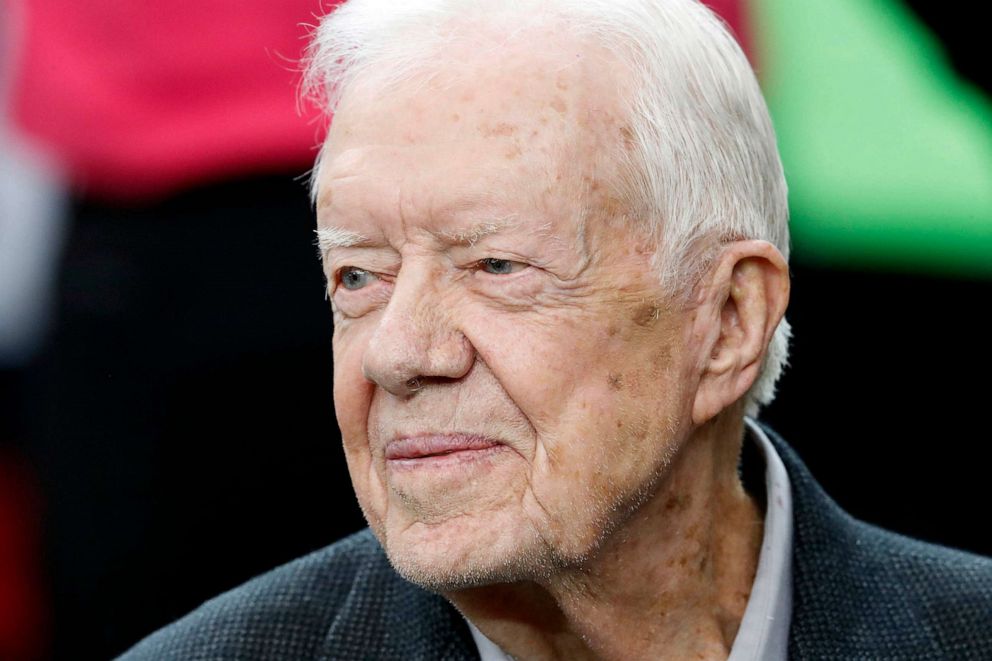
(329, 238)
(472, 235)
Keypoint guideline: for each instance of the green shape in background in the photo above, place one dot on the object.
(888, 153)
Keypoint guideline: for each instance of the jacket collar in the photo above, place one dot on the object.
(856, 590)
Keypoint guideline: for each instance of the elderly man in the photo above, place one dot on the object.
(555, 238)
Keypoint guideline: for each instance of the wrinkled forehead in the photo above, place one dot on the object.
(550, 96)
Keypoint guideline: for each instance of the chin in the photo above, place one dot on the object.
(458, 554)
(440, 574)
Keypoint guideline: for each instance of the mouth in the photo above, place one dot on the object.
(439, 448)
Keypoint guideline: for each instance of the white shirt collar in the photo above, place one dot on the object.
(764, 631)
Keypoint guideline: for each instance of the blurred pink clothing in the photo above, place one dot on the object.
(138, 99)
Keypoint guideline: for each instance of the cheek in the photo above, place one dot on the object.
(558, 369)
(353, 396)
(352, 392)
(609, 450)
(530, 360)
(615, 429)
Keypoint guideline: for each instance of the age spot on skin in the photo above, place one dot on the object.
(592, 183)
(627, 137)
(613, 207)
(501, 129)
(678, 502)
(647, 315)
(615, 381)
(660, 362)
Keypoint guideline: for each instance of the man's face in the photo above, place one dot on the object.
(510, 381)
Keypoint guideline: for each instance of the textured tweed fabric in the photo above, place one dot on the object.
(859, 593)
(342, 602)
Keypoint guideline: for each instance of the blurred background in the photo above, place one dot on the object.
(166, 425)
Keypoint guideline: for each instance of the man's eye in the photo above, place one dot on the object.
(500, 266)
(355, 278)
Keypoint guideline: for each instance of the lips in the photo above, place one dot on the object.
(424, 446)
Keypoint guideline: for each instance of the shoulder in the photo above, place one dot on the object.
(887, 596)
(861, 591)
(299, 610)
(280, 613)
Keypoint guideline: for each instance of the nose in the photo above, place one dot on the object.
(417, 340)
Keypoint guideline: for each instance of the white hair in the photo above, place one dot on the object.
(704, 167)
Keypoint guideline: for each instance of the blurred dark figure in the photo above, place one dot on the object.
(180, 413)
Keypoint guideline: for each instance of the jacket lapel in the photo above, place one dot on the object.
(849, 599)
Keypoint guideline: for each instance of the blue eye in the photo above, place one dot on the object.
(500, 266)
(355, 278)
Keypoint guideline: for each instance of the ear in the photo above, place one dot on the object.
(743, 301)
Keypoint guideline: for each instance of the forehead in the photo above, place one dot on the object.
(542, 122)
(550, 78)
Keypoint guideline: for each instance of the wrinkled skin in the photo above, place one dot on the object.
(568, 360)
(565, 355)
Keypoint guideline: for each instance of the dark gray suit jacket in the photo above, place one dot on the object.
(858, 593)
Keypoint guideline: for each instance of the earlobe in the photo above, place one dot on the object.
(749, 291)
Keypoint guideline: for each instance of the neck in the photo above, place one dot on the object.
(672, 583)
